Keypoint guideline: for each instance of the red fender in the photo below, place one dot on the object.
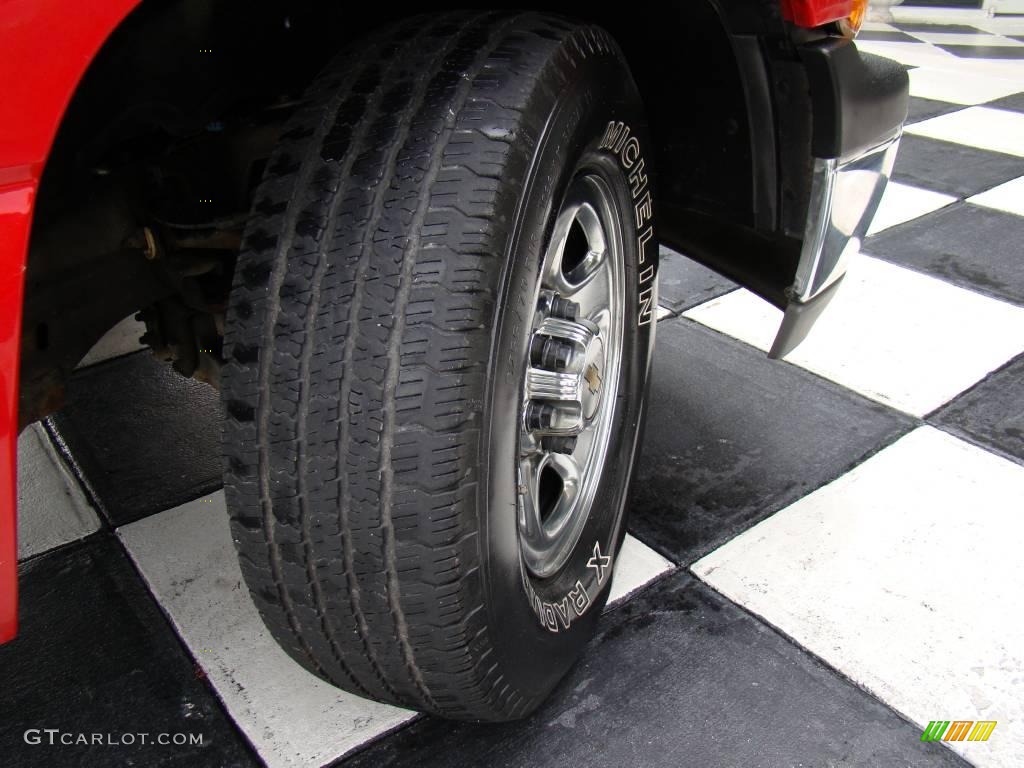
(45, 48)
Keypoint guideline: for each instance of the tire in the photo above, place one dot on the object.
(380, 327)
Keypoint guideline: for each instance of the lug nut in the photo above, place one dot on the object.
(537, 349)
(557, 418)
(552, 354)
(539, 415)
(550, 304)
(564, 309)
(544, 302)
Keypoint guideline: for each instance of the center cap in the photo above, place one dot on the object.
(592, 378)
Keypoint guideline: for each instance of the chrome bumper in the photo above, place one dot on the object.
(845, 195)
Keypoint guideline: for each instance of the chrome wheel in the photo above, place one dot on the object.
(569, 390)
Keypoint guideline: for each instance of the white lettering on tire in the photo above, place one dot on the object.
(559, 615)
(620, 141)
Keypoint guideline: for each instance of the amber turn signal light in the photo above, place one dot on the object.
(851, 25)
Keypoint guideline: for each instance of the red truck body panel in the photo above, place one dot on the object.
(814, 13)
(45, 48)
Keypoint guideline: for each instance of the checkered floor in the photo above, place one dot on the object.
(824, 554)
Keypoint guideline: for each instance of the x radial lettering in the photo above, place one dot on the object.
(599, 563)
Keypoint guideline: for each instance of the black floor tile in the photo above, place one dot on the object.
(1014, 103)
(985, 51)
(679, 676)
(95, 655)
(969, 245)
(950, 168)
(683, 283)
(145, 438)
(733, 437)
(991, 412)
(887, 36)
(918, 26)
(922, 109)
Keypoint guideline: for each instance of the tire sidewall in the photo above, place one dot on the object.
(539, 626)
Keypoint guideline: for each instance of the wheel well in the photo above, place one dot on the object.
(687, 72)
(150, 178)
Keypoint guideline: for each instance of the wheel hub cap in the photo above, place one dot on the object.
(565, 375)
(571, 376)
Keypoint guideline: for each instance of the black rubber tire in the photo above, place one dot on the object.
(376, 344)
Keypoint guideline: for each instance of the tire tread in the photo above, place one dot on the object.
(358, 340)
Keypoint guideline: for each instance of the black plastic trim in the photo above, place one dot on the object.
(763, 263)
(799, 319)
(859, 100)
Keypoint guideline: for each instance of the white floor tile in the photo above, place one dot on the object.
(1001, 26)
(906, 576)
(1007, 6)
(895, 335)
(903, 202)
(1007, 197)
(911, 54)
(936, 15)
(955, 38)
(663, 312)
(1010, 71)
(122, 339)
(998, 130)
(636, 566)
(52, 510)
(958, 85)
(291, 717)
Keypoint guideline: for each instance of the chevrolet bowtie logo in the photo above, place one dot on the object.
(593, 378)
